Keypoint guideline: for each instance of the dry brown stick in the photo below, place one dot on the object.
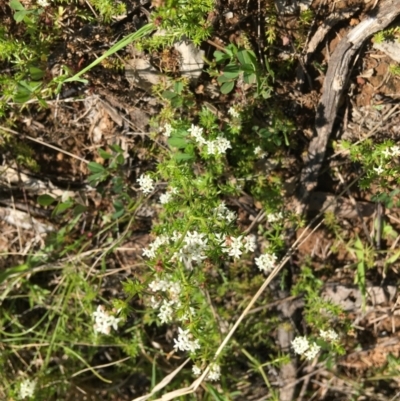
(334, 87)
(323, 30)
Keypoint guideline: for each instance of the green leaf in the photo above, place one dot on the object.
(249, 78)
(177, 142)
(117, 149)
(22, 95)
(96, 168)
(168, 94)
(227, 87)
(16, 5)
(45, 200)
(178, 87)
(105, 155)
(247, 57)
(177, 102)
(182, 157)
(231, 50)
(232, 71)
(119, 209)
(36, 73)
(220, 56)
(13, 270)
(20, 15)
(247, 68)
(79, 209)
(143, 31)
(94, 179)
(222, 79)
(62, 207)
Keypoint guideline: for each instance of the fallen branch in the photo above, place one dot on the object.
(334, 87)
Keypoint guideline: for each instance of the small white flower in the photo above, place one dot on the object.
(329, 335)
(312, 352)
(157, 285)
(215, 373)
(387, 153)
(197, 133)
(273, 217)
(211, 147)
(43, 3)
(165, 198)
(193, 249)
(166, 312)
(176, 236)
(379, 170)
(224, 213)
(222, 145)
(187, 315)
(218, 147)
(150, 252)
(196, 370)
(174, 290)
(104, 321)
(154, 303)
(266, 262)
(250, 243)
(300, 345)
(185, 342)
(259, 152)
(27, 388)
(167, 130)
(395, 150)
(233, 112)
(146, 184)
(234, 246)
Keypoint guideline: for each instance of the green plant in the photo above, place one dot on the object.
(242, 63)
(387, 34)
(394, 69)
(180, 19)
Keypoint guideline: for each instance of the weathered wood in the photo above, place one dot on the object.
(334, 87)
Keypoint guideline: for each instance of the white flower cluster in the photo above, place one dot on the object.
(27, 388)
(197, 133)
(165, 198)
(273, 217)
(193, 249)
(392, 151)
(146, 183)
(266, 262)
(213, 375)
(171, 289)
(196, 370)
(234, 246)
(185, 341)
(259, 152)
(104, 321)
(217, 147)
(167, 130)
(43, 3)
(223, 213)
(233, 112)
(150, 252)
(329, 335)
(301, 346)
